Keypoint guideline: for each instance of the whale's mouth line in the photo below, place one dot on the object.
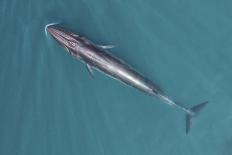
(50, 24)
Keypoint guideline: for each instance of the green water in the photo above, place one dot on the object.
(49, 105)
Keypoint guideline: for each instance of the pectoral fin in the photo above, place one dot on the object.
(90, 70)
(66, 48)
(106, 46)
(74, 35)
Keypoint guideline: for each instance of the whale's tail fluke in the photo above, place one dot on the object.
(193, 112)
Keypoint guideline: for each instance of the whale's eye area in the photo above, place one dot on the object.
(71, 43)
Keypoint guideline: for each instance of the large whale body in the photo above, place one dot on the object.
(96, 57)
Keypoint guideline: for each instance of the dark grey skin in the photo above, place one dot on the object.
(96, 57)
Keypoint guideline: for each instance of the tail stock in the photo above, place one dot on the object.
(193, 112)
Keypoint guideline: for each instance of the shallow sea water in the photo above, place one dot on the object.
(49, 105)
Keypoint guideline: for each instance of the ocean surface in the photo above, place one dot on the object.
(50, 105)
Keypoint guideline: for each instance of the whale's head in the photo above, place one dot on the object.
(71, 42)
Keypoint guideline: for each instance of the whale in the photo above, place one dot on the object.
(97, 57)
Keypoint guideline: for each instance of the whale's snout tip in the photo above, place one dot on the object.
(49, 27)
